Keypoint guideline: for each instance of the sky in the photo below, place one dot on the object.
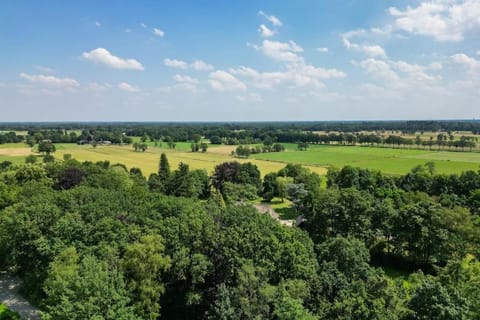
(239, 60)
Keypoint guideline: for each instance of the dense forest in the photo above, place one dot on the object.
(98, 241)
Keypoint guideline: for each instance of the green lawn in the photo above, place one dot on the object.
(390, 161)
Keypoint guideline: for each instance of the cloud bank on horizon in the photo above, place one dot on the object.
(303, 61)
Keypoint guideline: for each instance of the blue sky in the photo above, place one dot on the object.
(239, 60)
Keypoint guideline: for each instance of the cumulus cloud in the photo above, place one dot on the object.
(444, 20)
(298, 75)
(174, 63)
(296, 72)
(103, 56)
(417, 72)
(471, 64)
(265, 31)
(143, 25)
(185, 79)
(223, 81)
(280, 51)
(272, 19)
(50, 80)
(158, 32)
(379, 69)
(369, 50)
(198, 65)
(401, 74)
(128, 87)
(322, 50)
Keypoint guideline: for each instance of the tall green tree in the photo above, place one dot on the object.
(164, 168)
(144, 264)
(88, 289)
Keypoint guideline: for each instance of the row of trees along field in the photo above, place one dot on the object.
(267, 136)
(98, 241)
(182, 130)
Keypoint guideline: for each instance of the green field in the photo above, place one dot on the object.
(317, 158)
(148, 160)
(390, 161)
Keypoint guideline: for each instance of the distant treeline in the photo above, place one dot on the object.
(345, 133)
(140, 128)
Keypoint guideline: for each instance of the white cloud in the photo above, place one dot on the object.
(298, 75)
(280, 51)
(44, 69)
(103, 56)
(444, 20)
(95, 86)
(322, 50)
(472, 65)
(200, 65)
(380, 70)
(462, 58)
(265, 31)
(354, 33)
(251, 98)
(272, 19)
(98, 24)
(50, 80)
(158, 32)
(185, 79)
(143, 25)
(369, 50)
(128, 87)
(401, 74)
(223, 81)
(385, 31)
(417, 72)
(174, 63)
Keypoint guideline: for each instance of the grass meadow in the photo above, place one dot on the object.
(317, 158)
(387, 160)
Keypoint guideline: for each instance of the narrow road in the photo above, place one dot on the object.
(9, 296)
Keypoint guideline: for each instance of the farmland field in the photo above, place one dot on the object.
(148, 160)
(317, 158)
(390, 161)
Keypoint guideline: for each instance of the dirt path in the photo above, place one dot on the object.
(9, 286)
